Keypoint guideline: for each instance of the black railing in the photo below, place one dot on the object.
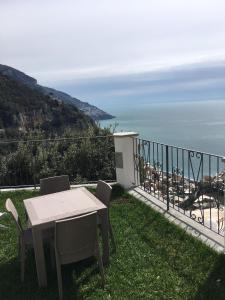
(84, 159)
(190, 181)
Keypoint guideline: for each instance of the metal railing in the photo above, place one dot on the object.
(190, 181)
(84, 159)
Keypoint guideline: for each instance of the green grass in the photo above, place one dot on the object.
(154, 260)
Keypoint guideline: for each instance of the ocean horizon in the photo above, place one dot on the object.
(182, 106)
(197, 125)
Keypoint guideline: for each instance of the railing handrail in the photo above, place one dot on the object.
(56, 139)
(182, 148)
(190, 181)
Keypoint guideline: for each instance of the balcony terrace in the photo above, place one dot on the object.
(155, 258)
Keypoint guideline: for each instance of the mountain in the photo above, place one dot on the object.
(23, 109)
(88, 109)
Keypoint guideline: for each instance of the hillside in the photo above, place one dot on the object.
(90, 110)
(23, 109)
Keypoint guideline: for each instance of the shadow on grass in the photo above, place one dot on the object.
(74, 277)
(214, 286)
(201, 270)
(79, 280)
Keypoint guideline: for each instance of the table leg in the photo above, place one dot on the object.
(39, 257)
(105, 236)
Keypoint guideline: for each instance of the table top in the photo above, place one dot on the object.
(52, 207)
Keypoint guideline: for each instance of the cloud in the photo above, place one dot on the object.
(57, 41)
(198, 81)
(121, 70)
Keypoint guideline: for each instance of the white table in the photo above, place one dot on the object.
(43, 211)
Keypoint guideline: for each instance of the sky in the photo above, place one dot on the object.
(80, 44)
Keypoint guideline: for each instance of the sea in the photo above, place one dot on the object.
(182, 106)
(197, 125)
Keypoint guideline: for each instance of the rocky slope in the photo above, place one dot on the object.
(90, 110)
(23, 110)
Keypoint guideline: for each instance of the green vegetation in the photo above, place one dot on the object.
(83, 159)
(26, 114)
(154, 260)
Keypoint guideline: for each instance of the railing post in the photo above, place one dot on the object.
(34, 172)
(124, 158)
(223, 161)
(167, 178)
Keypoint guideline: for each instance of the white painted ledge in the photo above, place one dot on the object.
(125, 134)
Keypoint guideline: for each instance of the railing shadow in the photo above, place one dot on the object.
(187, 223)
(214, 286)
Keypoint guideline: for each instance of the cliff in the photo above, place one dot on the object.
(88, 109)
(23, 109)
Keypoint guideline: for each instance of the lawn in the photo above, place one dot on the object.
(154, 260)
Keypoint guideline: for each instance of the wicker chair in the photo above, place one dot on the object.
(25, 236)
(76, 239)
(54, 184)
(103, 193)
